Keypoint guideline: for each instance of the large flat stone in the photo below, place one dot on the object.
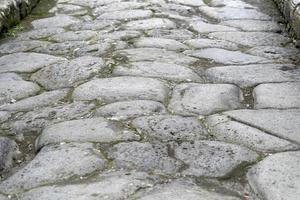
(83, 35)
(118, 6)
(154, 54)
(130, 109)
(153, 23)
(281, 123)
(97, 130)
(227, 130)
(144, 157)
(26, 62)
(110, 186)
(277, 95)
(126, 15)
(212, 159)
(211, 43)
(204, 99)
(170, 128)
(175, 34)
(203, 27)
(22, 46)
(189, 2)
(277, 177)
(56, 21)
(252, 75)
(166, 71)
(121, 89)
(69, 73)
(282, 54)
(8, 151)
(54, 164)
(254, 25)
(162, 43)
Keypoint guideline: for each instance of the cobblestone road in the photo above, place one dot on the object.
(151, 100)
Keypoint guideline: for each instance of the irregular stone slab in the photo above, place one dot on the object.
(162, 43)
(204, 99)
(26, 62)
(97, 130)
(144, 157)
(227, 57)
(209, 43)
(228, 13)
(115, 185)
(281, 123)
(122, 89)
(227, 130)
(40, 33)
(271, 52)
(166, 71)
(277, 95)
(4, 116)
(170, 128)
(54, 164)
(153, 54)
(22, 46)
(251, 75)
(94, 25)
(213, 159)
(10, 77)
(230, 3)
(203, 27)
(73, 36)
(69, 73)
(182, 190)
(120, 35)
(254, 25)
(31, 103)
(73, 10)
(130, 109)
(118, 6)
(175, 34)
(277, 176)
(11, 90)
(252, 38)
(153, 23)
(8, 151)
(56, 21)
(189, 2)
(89, 3)
(126, 14)
(34, 121)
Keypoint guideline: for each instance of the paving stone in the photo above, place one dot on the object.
(122, 89)
(93, 25)
(281, 123)
(54, 164)
(251, 38)
(213, 159)
(11, 90)
(41, 33)
(89, 3)
(120, 35)
(4, 116)
(154, 54)
(228, 13)
(227, 130)
(96, 50)
(153, 23)
(110, 186)
(22, 46)
(189, 2)
(126, 14)
(56, 21)
(170, 128)
(227, 57)
(118, 6)
(203, 27)
(144, 157)
(182, 190)
(277, 95)
(31, 103)
(230, 3)
(69, 73)
(130, 109)
(162, 43)
(252, 75)
(97, 130)
(68, 9)
(8, 151)
(74, 36)
(175, 34)
(34, 121)
(254, 25)
(204, 99)
(277, 176)
(166, 71)
(26, 62)
(209, 43)
(271, 52)
(10, 77)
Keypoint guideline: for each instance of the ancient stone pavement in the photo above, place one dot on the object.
(151, 100)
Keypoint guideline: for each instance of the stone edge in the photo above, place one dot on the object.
(12, 11)
(291, 11)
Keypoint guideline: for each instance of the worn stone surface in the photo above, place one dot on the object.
(84, 130)
(271, 179)
(203, 27)
(204, 99)
(55, 164)
(170, 128)
(56, 21)
(122, 88)
(154, 23)
(130, 109)
(163, 43)
(8, 151)
(210, 43)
